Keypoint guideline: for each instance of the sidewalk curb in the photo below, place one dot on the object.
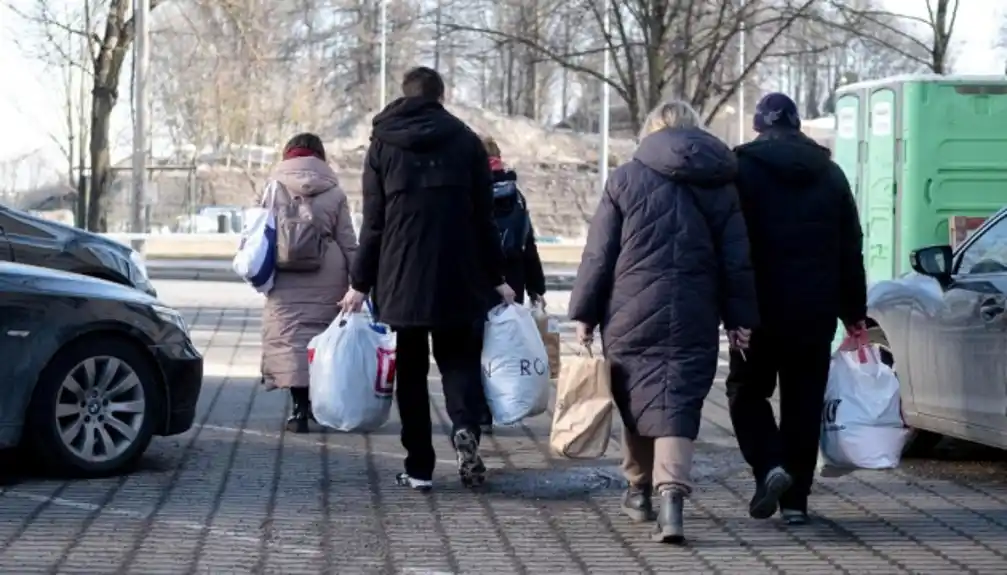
(180, 273)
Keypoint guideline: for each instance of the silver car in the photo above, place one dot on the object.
(945, 327)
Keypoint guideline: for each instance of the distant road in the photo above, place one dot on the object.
(557, 276)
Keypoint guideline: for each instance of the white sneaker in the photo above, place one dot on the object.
(405, 480)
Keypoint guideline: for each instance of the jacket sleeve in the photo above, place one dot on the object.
(343, 232)
(364, 270)
(853, 277)
(596, 273)
(533, 272)
(487, 236)
(738, 303)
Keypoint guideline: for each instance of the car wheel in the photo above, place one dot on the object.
(95, 408)
(920, 442)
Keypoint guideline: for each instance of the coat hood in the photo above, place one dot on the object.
(305, 176)
(416, 124)
(689, 155)
(791, 155)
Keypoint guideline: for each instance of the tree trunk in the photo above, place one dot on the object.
(103, 101)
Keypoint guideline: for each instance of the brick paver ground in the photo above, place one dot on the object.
(238, 495)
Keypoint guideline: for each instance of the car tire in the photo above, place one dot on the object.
(920, 442)
(120, 413)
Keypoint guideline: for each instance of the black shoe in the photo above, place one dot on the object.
(638, 505)
(300, 415)
(670, 519)
(766, 500)
(471, 469)
(794, 516)
(405, 480)
(297, 423)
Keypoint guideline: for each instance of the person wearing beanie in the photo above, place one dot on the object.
(806, 244)
(301, 304)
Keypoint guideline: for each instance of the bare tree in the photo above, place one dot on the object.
(925, 40)
(22, 173)
(819, 53)
(668, 47)
(108, 33)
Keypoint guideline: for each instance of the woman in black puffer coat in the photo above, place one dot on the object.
(666, 261)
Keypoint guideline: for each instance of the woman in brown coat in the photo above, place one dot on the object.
(302, 304)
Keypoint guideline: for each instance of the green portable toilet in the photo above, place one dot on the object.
(919, 150)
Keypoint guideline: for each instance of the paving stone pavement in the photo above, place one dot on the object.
(237, 494)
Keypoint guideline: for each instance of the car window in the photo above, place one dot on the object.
(988, 253)
(13, 223)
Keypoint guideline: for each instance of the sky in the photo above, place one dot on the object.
(30, 107)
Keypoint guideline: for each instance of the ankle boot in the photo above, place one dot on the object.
(670, 519)
(301, 412)
(637, 504)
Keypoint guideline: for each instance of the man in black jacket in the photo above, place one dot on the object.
(429, 253)
(806, 244)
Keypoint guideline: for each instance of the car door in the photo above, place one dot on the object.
(20, 315)
(968, 347)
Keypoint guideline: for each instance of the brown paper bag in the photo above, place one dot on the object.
(582, 418)
(548, 328)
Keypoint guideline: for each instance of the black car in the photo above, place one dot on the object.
(27, 239)
(90, 370)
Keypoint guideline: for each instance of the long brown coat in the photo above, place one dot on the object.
(301, 305)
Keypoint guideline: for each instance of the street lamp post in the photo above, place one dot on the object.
(741, 74)
(384, 53)
(141, 59)
(605, 98)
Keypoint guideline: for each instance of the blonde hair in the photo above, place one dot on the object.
(492, 149)
(670, 114)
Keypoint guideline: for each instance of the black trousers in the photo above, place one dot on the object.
(457, 352)
(799, 360)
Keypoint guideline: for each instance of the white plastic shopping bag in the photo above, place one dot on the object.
(515, 365)
(255, 261)
(352, 373)
(862, 426)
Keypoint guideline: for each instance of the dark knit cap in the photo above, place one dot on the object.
(776, 110)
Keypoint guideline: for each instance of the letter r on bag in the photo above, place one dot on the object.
(384, 381)
(525, 367)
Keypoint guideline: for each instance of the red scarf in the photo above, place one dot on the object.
(496, 164)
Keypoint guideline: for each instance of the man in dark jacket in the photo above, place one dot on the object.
(806, 246)
(429, 253)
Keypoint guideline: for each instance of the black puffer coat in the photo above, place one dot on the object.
(666, 261)
(429, 248)
(805, 234)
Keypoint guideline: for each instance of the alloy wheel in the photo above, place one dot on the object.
(100, 407)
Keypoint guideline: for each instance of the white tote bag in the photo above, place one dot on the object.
(515, 365)
(352, 374)
(862, 426)
(255, 261)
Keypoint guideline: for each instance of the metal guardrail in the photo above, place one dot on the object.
(223, 247)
